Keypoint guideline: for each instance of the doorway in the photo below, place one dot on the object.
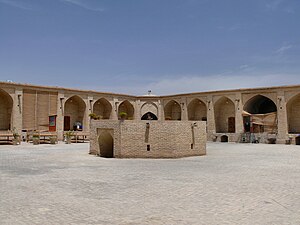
(67, 123)
(231, 125)
(297, 140)
(224, 138)
(106, 145)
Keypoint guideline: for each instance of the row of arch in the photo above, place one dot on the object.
(224, 110)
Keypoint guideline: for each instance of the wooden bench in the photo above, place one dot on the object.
(8, 137)
(43, 136)
(78, 136)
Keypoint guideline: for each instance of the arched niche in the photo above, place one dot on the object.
(224, 115)
(126, 107)
(149, 116)
(293, 114)
(197, 110)
(172, 110)
(149, 107)
(6, 105)
(106, 145)
(74, 113)
(102, 108)
(260, 104)
(260, 115)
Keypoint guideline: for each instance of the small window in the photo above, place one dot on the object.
(192, 146)
(148, 147)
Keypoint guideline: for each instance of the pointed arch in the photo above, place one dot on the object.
(127, 108)
(172, 110)
(74, 113)
(102, 108)
(293, 115)
(149, 116)
(106, 145)
(6, 105)
(260, 104)
(224, 115)
(197, 110)
(260, 115)
(149, 107)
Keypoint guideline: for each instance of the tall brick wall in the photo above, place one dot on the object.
(158, 139)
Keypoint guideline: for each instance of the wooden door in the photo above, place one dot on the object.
(231, 125)
(67, 123)
(52, 123)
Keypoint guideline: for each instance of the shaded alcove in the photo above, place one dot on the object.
(149, 116)
(102, 108)
(260, 115)
(172, 111)
(6, 105)
(293, 114)
(197, 110)
(260, 104)
(149, 107)
(106, 145)
(224, 115)
(126, 107)
(297, 139)
(74, 113)
(224, 138)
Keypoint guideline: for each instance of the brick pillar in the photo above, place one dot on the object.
(88, 110)
(211, 127)
(137, 110)
(115, 105)
(17, 110)
(281, 118)
(162, 108)
(183, 104)
(239, 124)
(159, 110)
(60, 115)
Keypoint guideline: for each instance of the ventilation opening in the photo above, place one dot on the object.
(224, 138)
(297, 140)
(148, 147)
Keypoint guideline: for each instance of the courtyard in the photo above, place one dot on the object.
(232, 184)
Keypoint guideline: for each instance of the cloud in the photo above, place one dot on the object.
(283, 48)
(16, 4)
(84, 5)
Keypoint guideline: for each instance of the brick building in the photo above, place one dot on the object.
(231, 115)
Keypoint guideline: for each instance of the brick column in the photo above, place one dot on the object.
(159, 110)
(184, 114)
(17, 110)
(115, 105)
(281, 118)
(60, 115)
(211, 127)
(137, 110)
(88, 110)
(239, 124)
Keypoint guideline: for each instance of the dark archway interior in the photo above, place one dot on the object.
(297, 140)
(260, 105)
(172, 111)
(106, 145)
(102, 108)
(6, 104)
(149, 116)
(126, 107)
(224, 138)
